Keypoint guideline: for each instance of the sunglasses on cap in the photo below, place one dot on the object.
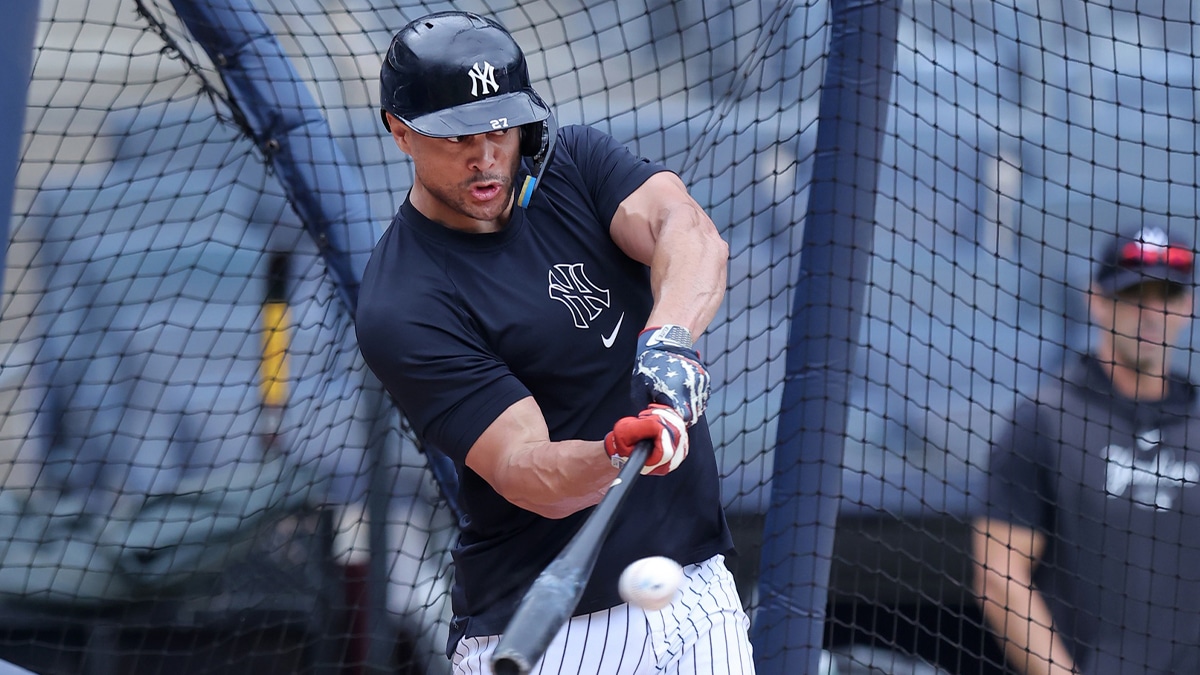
(1141, 254)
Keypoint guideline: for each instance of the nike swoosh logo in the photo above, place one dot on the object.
(609, 339)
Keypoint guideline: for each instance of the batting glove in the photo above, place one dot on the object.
(658, 423)
(668, 371)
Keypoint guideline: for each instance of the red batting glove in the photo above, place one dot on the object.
(658, 423)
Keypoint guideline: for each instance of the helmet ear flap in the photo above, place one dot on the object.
(532, 136)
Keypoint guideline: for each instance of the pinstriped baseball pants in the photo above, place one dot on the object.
(703, 632)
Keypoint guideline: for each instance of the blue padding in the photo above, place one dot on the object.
(827, 312)
(16, 63)
(289, 128)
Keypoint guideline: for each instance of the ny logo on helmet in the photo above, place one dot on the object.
(482, 79)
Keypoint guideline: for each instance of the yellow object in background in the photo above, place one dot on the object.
(276, 334)
(275, 338)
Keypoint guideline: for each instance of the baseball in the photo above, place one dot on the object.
(650, 583)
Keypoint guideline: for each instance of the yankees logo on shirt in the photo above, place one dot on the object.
(570, 285)
(1151, 475)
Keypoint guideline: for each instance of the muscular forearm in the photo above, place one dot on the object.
(1019, 616)
(551, 478)
(688, 271)
(555, 479)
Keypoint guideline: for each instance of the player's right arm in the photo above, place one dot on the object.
(1005, 557)
(552, 479)
(557, 478)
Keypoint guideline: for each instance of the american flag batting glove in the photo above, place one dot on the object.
(659, 424)
(669, 371)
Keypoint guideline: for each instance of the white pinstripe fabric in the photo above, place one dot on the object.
(703, 632)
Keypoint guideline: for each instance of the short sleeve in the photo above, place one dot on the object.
(1019, 488)
(610, 171)
(432, 361)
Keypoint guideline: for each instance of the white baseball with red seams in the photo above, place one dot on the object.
(650, 583)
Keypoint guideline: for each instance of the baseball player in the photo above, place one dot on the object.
(1088, 557)
(532, 280)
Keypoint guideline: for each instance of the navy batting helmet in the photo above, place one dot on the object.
(457, 74)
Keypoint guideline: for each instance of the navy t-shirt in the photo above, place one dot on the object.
(459, 326)
(1113, 484)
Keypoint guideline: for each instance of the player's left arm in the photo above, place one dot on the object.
(662, 226)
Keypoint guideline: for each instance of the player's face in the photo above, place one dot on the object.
(465, 182)
(1144, 321)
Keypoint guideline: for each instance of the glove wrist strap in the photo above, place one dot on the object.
(670, 334)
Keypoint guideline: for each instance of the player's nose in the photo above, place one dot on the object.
(487, 150)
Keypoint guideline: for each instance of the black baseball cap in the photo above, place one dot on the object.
(1145, 253)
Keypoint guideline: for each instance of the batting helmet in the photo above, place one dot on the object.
(457, 74)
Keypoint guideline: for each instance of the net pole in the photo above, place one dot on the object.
(16, 67)
(16, 70)
(380, 643)
(286, 123)
(798, 531)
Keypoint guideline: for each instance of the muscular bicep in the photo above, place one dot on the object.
(661, 226)
(518, 427)
(553, 479)
(636, 226)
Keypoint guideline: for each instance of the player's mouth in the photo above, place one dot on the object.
(486, 192)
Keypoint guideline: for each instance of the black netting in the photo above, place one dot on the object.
(187, 431)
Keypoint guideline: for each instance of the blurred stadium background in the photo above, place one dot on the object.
(182, 494)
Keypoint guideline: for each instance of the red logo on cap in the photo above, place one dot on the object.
(1142, 254)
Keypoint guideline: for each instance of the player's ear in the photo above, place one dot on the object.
(401, 133)
(1100, 305)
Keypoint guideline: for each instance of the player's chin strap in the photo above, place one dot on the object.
(540, 161)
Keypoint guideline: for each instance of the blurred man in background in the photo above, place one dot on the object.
(1088, 555)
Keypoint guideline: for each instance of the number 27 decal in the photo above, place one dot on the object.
(501, 123)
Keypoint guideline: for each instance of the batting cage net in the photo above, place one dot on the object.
(201, 476)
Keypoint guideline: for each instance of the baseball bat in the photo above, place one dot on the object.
(552, 598)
